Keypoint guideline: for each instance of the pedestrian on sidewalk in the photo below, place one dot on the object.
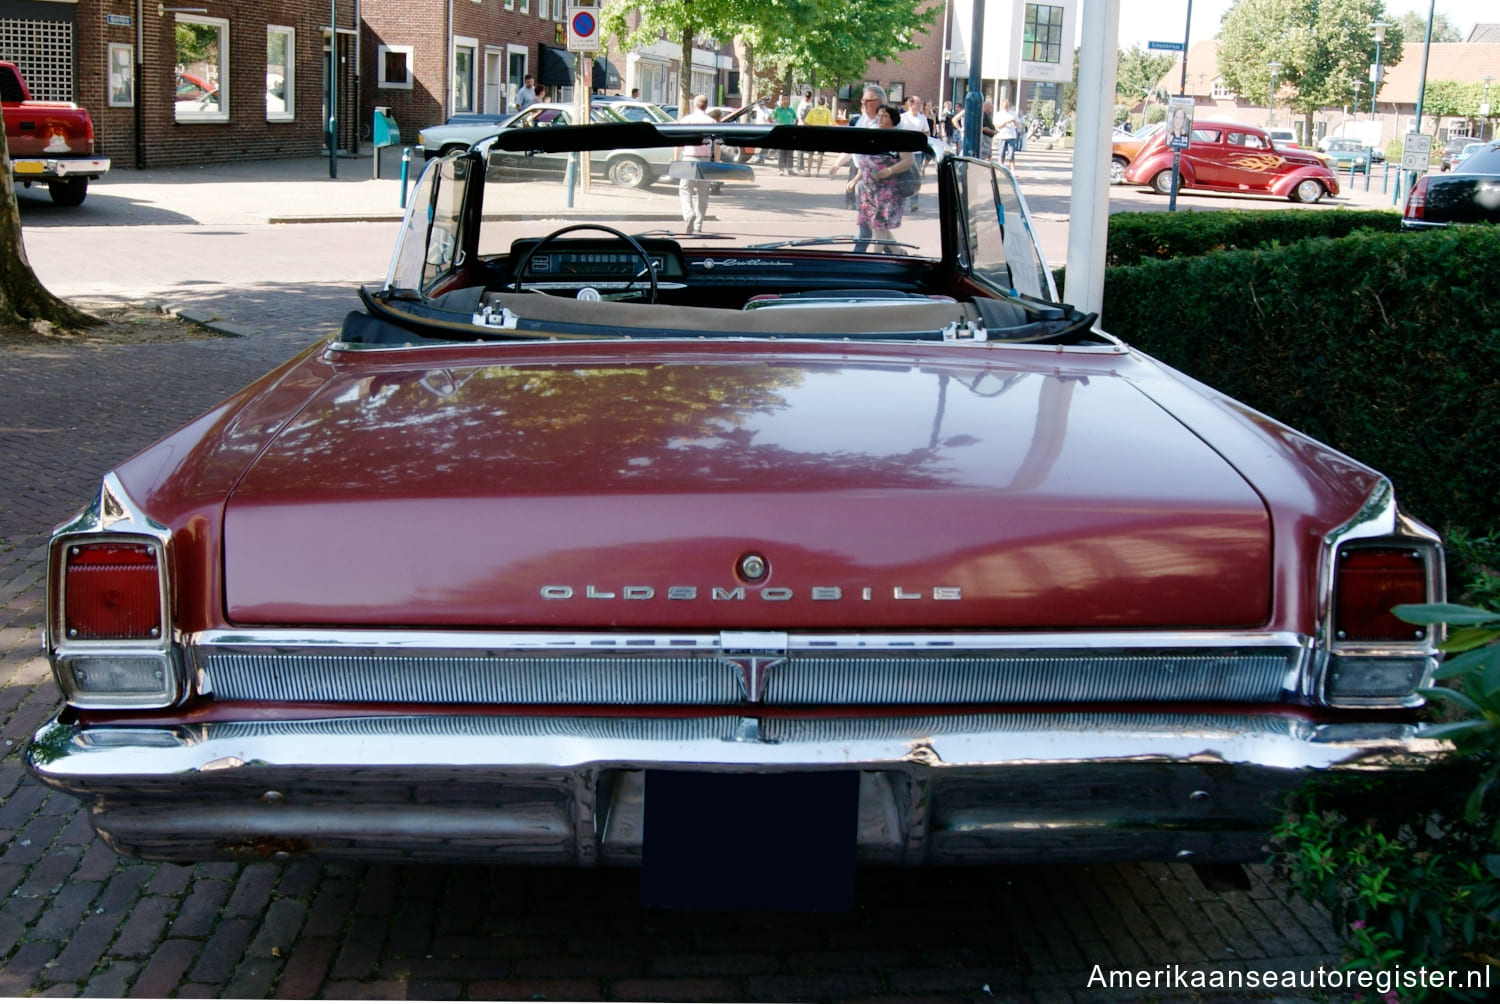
(693, 191)
(784, 114)
(879, 205)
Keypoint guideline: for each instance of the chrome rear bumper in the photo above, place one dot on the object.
(535, 789)
(54, 168)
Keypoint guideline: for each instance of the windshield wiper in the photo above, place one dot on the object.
(808, 241)
(679, 234)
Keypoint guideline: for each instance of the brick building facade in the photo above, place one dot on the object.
(218, 81)
(425, 69)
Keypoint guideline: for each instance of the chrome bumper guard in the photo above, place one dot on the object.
(570, 790)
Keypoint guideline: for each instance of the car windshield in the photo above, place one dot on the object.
(527, 213)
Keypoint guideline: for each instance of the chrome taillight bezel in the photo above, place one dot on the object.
(112, 518)
(1379, 525)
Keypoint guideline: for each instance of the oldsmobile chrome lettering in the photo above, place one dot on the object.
(769, 593)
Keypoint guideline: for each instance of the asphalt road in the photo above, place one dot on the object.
(77, 919)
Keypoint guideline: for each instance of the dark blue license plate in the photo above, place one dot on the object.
(750, 841)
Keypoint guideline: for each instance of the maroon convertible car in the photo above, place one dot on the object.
(778, 541)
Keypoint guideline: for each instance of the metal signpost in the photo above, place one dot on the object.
(1179, 134)
(583, 42)
(1179, 138)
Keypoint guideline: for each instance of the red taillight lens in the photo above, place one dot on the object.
(1416, 202)
(1370, 582)
(111, 591)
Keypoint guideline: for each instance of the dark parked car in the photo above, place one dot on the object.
(595, 544)
(1470, 193)
(1229, 157)
(1453, 151)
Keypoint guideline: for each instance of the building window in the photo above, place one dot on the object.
(463, 73)
(121, 82)
(281, 73)
(1221, 92)
(558, 11)
(1042, 37)
(524, 6)
(393, 65)
(202, 79)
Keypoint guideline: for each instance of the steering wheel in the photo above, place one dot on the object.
(649, 271)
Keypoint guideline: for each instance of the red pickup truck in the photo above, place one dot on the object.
(49, 141)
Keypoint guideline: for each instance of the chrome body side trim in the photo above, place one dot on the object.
(941, 789)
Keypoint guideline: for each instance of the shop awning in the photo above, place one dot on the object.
(554, 66)
(555, 69)
(606, 77)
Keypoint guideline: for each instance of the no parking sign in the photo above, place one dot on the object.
(583, 28)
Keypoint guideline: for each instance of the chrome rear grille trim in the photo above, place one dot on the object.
(1028, 679)
(797, 678)
(445, 727)
(450, 679)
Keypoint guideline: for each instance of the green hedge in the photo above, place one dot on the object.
(1134, 237)
(1385, 345)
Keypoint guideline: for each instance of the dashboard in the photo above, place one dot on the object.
(600, 262)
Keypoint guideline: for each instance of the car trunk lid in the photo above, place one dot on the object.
(603, 492)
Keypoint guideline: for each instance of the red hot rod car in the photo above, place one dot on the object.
(1229, 157)
(563, 521)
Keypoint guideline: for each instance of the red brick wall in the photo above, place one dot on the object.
(247, 135)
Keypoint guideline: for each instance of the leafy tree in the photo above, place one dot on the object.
(682, 21)
(1322, 46)
(1451, 97)
(1414, 27)
(1137, 72)
(822, 40)
(23, 298)
(787, 39)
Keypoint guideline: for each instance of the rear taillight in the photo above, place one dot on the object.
(1416, 202)
(111, 591)
(1376, 659)
(1370, 582)
(109, 630)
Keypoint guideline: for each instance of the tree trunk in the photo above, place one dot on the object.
(746, 53)
(685, 76)
(23, 298)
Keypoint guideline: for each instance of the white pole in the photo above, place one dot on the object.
(1088, 225)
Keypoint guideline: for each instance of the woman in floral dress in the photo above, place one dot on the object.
(879, 206)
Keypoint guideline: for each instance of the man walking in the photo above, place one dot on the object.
(912, 118)
(526, 93)
(784, 114)
(693, 190)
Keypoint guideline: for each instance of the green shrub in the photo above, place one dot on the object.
(1134, 237)
(1412, 878)
(1384, 345)
(1410, 884)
